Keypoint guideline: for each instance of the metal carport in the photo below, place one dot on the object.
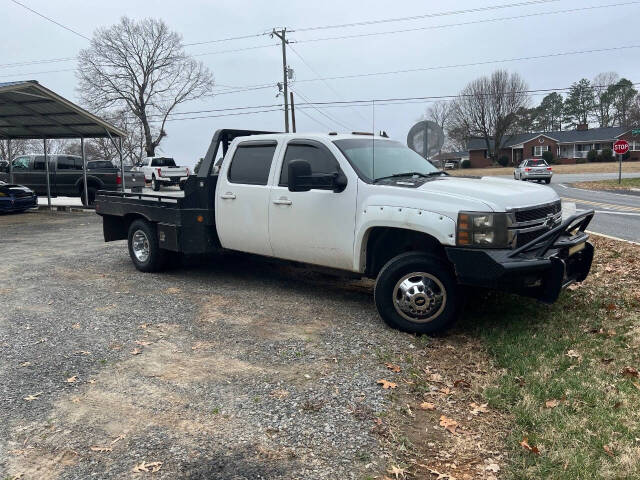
(30, 111)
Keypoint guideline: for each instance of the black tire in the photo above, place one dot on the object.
(547, 181)
(154, 184)
(156, 259)
(91, 191)
(414, 262)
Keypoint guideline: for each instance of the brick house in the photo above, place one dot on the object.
(567, 145)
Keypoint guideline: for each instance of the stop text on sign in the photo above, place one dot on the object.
(621, 147)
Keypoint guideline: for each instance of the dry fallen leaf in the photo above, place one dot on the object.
(25, 364)
(525, 444)
(552, 403)
(75, 325)
(81, 352)
(630, 372)
(143, 343)
(445, 390)
(136, 351)
(393, 368)
(427, 406)
(148, 467)
(117, 439)
(608, 450)
(30, 398)
(397, 471)
(96, 448)
(386, 384)
(492, 467)
(72, 379)
(574, 354)
(448, 423)
(478, 409)
(279, 393)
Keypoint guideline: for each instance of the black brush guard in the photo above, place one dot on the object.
(539, 269)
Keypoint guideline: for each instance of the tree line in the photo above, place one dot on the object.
(495, 106)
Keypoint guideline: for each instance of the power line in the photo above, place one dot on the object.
(313, 105)
(228, 39)
(51, 20)
(320, 122)
(472, 64)
(427, 15)
(279, 109)
(318, 76)
(37, 62)
(472, 22)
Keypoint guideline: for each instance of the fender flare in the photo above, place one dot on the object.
(90, 179)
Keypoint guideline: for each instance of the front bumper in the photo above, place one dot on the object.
(12, 204)
(539, 269)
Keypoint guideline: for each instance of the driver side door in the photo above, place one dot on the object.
(316, 226)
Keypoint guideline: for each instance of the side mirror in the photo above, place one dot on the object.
(339, 182)
(299, 173)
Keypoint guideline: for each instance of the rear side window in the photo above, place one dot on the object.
(251, 164)
(38, 163)
(163, 162)
(320, 160)
(66, 163)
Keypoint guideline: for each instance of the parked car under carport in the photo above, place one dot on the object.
(16, 198)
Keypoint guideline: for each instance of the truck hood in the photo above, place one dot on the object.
(499, 194)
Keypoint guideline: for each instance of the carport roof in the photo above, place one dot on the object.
(28, 110)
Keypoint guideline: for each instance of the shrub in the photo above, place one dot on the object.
(503, 161)
(606, 155)
(465, 164)
(592, 156)
(581, 160)
(549, 157)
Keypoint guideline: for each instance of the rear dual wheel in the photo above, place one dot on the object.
(418, 293)
(144, 249)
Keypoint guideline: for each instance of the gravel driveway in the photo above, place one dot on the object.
(230, 369)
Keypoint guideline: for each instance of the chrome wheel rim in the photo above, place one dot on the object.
(140, 246)
(419, 297)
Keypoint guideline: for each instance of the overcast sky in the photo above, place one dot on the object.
(25, 37)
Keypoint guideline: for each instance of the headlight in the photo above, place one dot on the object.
(488, 230)
(2, 194)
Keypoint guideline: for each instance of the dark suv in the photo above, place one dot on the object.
(66, 177)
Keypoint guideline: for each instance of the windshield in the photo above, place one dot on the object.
(375, 159)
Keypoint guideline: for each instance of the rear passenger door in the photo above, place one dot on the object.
(242, 198)
(67, 174)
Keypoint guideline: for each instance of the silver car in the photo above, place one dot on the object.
(533, 169)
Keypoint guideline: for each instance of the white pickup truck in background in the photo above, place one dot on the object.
(163, 171)
(365, 205)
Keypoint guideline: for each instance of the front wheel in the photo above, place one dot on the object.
(144, 250)
(418, 293)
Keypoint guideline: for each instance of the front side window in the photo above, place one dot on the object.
(375, 159)
(320, 160)
(38, 163)
(21, 163)
(251, 164)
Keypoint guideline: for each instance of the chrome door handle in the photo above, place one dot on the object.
(282, 201)
(228, 196)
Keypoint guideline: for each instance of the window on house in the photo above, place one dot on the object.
(538, 150)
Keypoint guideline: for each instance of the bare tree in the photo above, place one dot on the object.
(140, 66)
(18, 147)
(439, 113)
(604, 99)
(488, 107)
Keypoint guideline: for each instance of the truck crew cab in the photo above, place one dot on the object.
(367, 205)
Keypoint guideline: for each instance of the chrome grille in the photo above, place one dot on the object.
(532, 222)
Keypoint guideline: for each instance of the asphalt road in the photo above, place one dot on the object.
(617, 214)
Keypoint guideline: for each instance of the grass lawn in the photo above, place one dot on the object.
(609, 167)
(569, 378)
(626, 184)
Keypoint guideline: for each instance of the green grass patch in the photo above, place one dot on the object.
(625, 184)
(573, 354)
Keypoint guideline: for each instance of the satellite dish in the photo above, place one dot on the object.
(425, 138)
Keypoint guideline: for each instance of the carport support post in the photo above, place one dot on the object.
(84, 172)
(121, 162)
(10, 161)
(619, 169)
(46, 167)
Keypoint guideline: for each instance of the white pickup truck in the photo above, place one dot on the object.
(366, 205)
(163, 171)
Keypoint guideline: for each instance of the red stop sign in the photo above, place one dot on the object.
(621, 147)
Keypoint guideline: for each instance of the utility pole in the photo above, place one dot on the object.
(282, 36)
(293, 114)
